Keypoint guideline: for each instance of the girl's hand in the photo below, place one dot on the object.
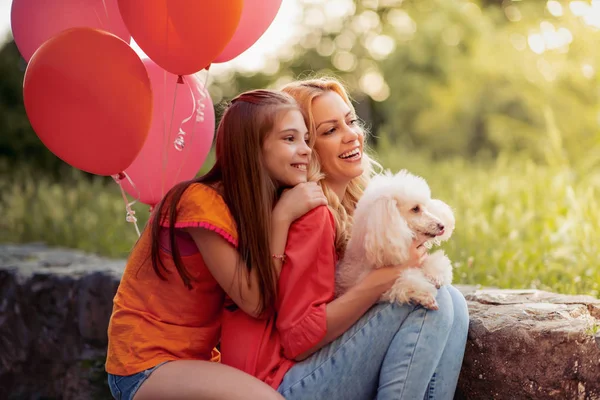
(297, 201)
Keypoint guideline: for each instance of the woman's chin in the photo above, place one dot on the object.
(353, 173)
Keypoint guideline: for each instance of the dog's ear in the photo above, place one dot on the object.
(387, 235)
(443, 211)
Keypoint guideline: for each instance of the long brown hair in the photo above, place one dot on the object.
(247, 189)
(304, 92)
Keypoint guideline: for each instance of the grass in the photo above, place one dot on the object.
(519, 225)
(78, 212)
(593, 330)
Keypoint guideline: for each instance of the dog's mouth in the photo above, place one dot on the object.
(431, 235)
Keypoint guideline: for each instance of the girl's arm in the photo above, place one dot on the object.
(224, 262)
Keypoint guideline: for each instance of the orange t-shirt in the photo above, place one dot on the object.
(266, 348)
(154, 320)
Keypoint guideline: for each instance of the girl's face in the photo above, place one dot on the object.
(339, 140)
(285, 150)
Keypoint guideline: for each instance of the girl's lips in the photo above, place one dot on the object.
(301, 167)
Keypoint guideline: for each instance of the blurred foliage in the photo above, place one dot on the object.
(455, 77)
(467, 78)
(18, 142)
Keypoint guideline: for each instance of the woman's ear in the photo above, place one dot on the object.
(387, 235)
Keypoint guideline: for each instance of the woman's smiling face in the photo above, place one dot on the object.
(339, 139)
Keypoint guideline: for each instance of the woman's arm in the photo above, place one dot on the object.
(225, 263)
(344, 311)
(308, 318)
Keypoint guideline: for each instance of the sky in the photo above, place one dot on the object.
(4, 17)
(280, 33)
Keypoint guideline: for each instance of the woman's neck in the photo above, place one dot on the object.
(338, 188)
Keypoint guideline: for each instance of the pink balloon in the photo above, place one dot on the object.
(257, 16)
(34, 21)
(169, 156)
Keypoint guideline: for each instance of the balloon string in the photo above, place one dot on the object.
(105, 10)
(130, 213)
(193, 102)
(206, 79)
(166, 148)
(102, 23)
(164, 107)
(165, 139)
(180, 142)
(198, 112)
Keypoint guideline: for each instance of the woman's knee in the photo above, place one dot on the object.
(443, 317)
(452, 309)
(461, 310)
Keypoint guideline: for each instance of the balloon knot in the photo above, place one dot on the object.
(180, 79)
(119, 177)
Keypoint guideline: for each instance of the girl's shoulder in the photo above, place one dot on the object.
(202, 206)
(203, 190)
(203, 198)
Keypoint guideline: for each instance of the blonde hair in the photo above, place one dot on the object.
(305, 91)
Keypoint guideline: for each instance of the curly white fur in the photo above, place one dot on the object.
(394, 210)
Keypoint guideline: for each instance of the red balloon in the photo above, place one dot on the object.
(88, 97)
(34, 21)
(182, 36)
(256, 19)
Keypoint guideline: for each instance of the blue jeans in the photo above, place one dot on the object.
(393, 352)
(125, 387)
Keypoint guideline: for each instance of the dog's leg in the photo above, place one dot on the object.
(412, 287)
(438, 269)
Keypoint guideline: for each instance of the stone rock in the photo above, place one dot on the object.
(54, 311)
(55, 305)
(531, 344)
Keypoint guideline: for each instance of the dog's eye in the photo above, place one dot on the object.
(415, 209)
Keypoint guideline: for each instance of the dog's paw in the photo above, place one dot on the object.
(424, 296)
(428, 302)
(412, 287)
(435, 281)
(438, 269)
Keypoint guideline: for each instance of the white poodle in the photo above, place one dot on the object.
(393, 211)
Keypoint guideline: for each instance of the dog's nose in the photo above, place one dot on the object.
(440, 227)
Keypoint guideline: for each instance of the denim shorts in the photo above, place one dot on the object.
(125, 387)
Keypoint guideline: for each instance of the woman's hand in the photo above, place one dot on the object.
(382, 279)
(417, 254)
(297, 201)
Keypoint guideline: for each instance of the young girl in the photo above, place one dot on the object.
(348, 347)
(209, 240)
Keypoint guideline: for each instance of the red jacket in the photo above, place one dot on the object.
(266, 348)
